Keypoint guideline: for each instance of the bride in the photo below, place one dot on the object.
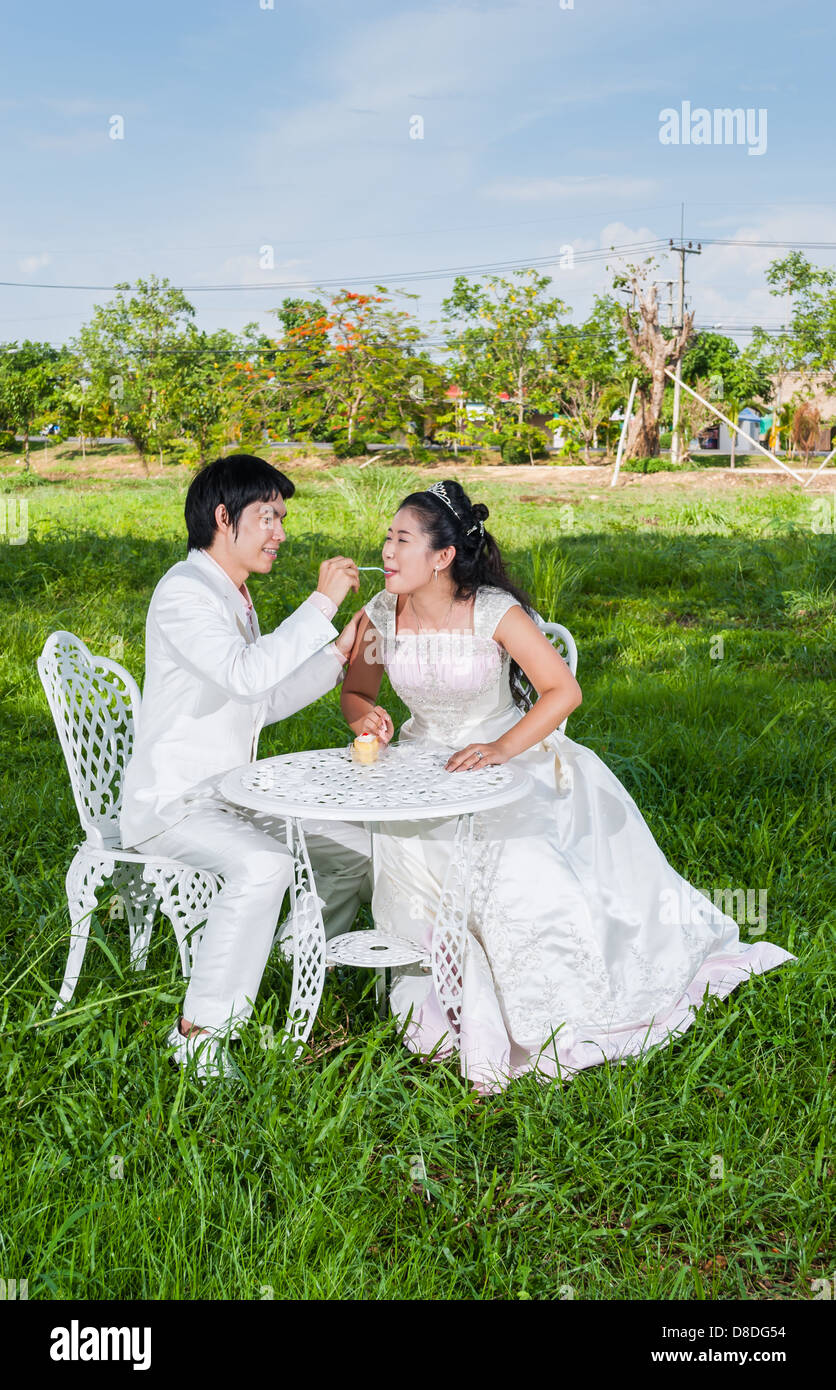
(583, 943)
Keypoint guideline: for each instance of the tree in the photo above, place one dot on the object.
(653, 349)
(806, 424)
(810, 341)
(506, 354)
(133, 352)
(206, 395)
(808, 345)
(29, 377)
(353, 366)
(590, 362)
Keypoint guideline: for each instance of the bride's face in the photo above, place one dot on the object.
(408, 561)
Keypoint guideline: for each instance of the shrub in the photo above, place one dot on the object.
(652, 465)
(345, 450)
(522, 443)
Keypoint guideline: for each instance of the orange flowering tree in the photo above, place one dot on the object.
(354, 366)
(253, 386)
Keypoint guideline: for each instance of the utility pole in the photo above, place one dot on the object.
(682, 251)
(669, 284)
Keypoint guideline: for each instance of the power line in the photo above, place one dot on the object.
(415, 276)
(487, 267)
(780, 245)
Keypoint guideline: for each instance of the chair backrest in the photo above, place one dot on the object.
(564, 643)
(95, 704)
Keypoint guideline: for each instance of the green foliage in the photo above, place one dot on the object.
(370, 499)
(346, 448)
(592, 363)
(502, 338)
(135, 353)
(353, 365)
(650, 465)
(809, 344)
(29, 378)
(522, 444)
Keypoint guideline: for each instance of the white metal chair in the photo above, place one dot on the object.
(96, 707)
(563, 642)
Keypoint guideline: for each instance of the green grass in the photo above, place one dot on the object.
(305, 1179)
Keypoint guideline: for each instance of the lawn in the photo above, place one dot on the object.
(702, 1171)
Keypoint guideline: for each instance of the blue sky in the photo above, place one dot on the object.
(289, 127)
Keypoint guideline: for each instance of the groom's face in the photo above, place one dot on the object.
(259, 535)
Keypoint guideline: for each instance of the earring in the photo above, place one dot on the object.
(435, 572)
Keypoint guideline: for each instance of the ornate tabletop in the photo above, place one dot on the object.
(408, 782)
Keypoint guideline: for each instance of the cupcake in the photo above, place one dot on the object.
(365, 748)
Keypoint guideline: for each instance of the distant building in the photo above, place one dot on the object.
(718, 435)
(796, 388)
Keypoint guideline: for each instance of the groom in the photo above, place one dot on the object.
(211, 681)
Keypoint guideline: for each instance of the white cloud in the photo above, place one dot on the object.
(29, 264)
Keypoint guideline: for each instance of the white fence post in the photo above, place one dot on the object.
(737, 428)
(627, 415)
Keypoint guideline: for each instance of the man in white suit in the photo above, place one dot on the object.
(211, 682)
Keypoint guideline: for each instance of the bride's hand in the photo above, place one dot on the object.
(476, 755)
(379, 723)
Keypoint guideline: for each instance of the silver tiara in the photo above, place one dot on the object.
(439, 490)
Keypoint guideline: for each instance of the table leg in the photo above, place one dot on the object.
(308, 939)
(381, 977)
(451, 925)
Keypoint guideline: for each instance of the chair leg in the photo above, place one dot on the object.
(141, 901)
(185, 897)
(84, 876)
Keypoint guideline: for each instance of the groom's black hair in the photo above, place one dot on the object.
(236, 481)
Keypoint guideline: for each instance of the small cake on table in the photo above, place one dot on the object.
(365, 748)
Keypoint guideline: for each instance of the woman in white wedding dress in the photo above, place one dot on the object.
(583, 943)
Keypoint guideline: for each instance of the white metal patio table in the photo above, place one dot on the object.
(408, 782)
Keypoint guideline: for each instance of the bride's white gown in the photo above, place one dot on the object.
(583, 942)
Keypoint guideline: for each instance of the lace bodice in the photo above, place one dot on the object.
(455, 684)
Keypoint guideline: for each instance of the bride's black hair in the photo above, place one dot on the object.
(477, 562)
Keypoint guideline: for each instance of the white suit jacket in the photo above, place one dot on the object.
(210, 685)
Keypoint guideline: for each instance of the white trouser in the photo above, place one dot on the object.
(249, 851)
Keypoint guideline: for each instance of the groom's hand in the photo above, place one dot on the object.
(336, 577)
(345, 642)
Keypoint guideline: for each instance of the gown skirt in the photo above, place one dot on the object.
(583, 943)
